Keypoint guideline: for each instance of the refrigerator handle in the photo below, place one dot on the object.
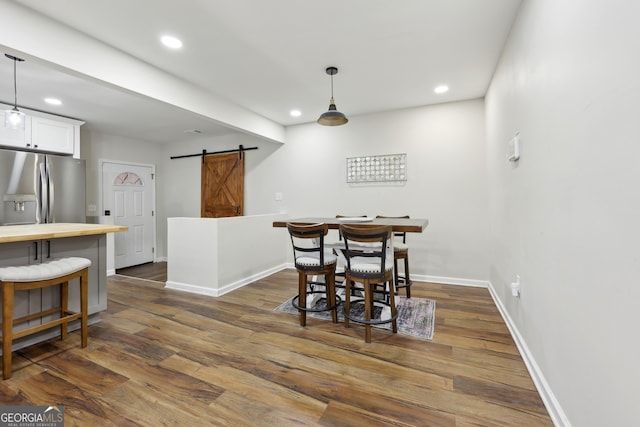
(43, 195)
(52, 200)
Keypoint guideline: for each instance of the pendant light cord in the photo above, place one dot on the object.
(15, 60)
(331, 86)
(15, 86)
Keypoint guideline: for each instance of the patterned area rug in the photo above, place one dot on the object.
(416, 316)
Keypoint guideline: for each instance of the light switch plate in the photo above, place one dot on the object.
(514, 148)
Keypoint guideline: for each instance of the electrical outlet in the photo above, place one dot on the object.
(278, 196)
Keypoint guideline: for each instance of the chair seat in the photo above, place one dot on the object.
(314, 260)
(44, 271)
(399, 246)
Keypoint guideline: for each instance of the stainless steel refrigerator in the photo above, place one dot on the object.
(41, 188)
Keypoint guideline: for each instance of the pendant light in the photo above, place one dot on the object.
(333, 117)
(14, 118)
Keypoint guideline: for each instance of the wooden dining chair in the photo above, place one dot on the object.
(401, 253)
(340, 273)
(311, 260)
(370, 263)
(347, 216)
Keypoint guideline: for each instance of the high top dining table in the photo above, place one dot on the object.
(408, 225)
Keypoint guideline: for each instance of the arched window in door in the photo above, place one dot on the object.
(128, 178)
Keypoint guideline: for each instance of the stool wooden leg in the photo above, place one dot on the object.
(407, 280)
(7, 328)
(392, 303)
(396, 274)
(84, 307)
(368, 303)
(64, 307)
(330, 293)
(347, 300)
(302, 297)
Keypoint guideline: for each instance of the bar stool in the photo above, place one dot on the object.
(401, 253)
(38, 276)
(368, 263)
(340, 273)
(311, 260)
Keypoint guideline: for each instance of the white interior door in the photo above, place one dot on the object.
(128, 196)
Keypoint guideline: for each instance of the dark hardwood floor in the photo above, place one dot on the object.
(162, 357)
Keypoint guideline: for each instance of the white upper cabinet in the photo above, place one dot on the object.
(44, 132)
(52, 135)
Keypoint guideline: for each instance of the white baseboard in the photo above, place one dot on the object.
(111, 272)
(202, 290)
(556, 413)
(194, 289)
(450, 280)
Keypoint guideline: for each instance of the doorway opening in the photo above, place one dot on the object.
(128, 196)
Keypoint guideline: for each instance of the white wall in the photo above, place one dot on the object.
(565, 218)
(446, 180)
(213, 256)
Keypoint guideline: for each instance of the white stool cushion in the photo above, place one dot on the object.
(44, 271)
(370, 265)
(399, 246)
(314, 260)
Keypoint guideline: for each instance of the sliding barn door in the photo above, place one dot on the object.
(222, 185)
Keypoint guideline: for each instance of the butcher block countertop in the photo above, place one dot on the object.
(21, 233)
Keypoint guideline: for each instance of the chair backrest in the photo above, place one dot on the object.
(347, 216)
(307, 240)
(399, 234)
(368, 244)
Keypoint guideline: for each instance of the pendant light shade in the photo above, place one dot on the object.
(14, 118)
(332, 117)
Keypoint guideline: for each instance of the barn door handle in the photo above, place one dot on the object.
(238, 210)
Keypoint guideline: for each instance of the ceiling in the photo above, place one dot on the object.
(269, 57)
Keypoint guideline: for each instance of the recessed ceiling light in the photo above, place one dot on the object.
(53, 101)
(295, 113)
(171, 42)
(441, 89)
